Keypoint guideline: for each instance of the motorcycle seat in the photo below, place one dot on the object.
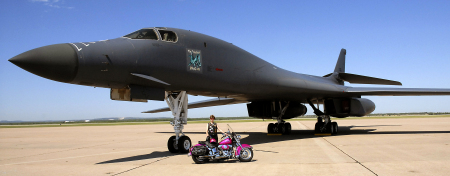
(210, 145)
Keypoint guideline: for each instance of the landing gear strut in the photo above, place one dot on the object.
(323, 124)
(281, 126)
(178, 104)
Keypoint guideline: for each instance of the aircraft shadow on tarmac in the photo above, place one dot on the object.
(255, 138)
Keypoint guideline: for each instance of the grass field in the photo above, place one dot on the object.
(203, 120)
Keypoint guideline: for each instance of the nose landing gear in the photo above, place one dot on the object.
(178, 104)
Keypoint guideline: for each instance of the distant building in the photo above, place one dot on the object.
(87, 120)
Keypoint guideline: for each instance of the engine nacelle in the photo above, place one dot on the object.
(270, 109)
(348, 107)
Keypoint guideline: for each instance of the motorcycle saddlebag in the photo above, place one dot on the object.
(198, 150)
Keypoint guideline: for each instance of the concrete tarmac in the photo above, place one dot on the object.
(392, 146)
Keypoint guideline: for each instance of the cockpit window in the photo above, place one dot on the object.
(168, 36)
(143, 34)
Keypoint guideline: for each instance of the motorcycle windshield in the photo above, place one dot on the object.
(229, 128)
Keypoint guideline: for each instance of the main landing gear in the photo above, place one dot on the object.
(323, 124)
(178, 104)
(281, 127)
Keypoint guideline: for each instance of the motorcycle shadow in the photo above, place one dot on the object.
(230, 161)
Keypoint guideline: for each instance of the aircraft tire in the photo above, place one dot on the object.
(270, 128)
(281, 128)
(171, 145)
(329, 128)
(275, 128)
(335, 126)
(332, 128)
(184, 144)
(288, 128)
(317, 127)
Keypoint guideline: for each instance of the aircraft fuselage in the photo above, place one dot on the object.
(223, 69)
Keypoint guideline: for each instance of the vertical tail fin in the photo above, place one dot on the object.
(340, 65)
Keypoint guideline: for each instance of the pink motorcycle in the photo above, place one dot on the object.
(229, 148)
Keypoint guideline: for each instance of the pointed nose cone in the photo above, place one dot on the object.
(56, 62)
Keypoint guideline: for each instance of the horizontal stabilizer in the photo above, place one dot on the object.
(359, 79)
(327, 75)
(364, 91)
(206, 103)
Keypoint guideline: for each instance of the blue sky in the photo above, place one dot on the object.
(407, 41)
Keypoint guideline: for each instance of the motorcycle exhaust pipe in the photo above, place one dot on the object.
(205, 156)
(221, 157)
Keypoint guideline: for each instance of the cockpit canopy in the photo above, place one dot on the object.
(164, 35)
(143, 34)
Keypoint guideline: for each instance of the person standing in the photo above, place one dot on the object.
(211, 129)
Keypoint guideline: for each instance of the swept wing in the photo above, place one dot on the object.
(205, 103)
(367, 91)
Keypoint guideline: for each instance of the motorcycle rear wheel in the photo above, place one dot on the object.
(197, 159)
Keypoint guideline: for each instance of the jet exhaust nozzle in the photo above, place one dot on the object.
(56, 62)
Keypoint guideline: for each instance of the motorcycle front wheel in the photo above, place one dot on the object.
(246, 155)
(197, 159)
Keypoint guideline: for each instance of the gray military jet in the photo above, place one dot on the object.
(168, 64)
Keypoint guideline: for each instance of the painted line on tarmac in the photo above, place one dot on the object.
(71, 157)
(141, 166)
(350, 157)
(334, 155)
(301, 124)
(321, 144)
